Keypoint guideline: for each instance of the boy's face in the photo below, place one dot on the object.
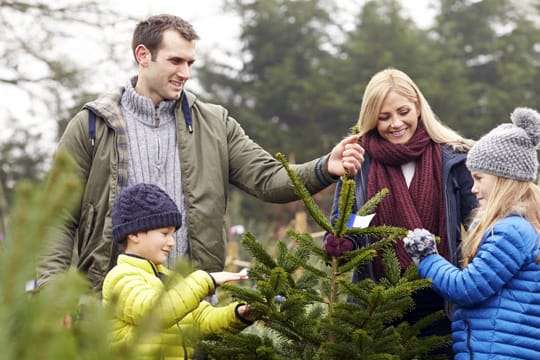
(153, 245)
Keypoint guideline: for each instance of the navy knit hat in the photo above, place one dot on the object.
(509, 150)
(143, 207)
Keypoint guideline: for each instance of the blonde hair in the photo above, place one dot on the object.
(507, 197)
(395, 80)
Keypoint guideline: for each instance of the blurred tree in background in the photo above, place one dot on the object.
(38, 59)
(300, 86)
(21, 159)
(281, 90)
(496, 45)
(39, 65)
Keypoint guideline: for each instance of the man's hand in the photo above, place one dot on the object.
(347, 156)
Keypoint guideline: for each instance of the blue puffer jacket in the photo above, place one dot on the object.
(497, 294)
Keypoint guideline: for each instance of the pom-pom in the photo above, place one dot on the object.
(529, 120)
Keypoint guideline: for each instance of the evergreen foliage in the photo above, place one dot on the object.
(307, 306)
(64, 320)
(309, 309)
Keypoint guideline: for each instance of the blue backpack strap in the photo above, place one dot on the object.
(187, 113)
(92, 127)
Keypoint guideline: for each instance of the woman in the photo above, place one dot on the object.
(422, 163)
(497, 291)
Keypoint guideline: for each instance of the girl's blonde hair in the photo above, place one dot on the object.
(507, 197)
(392, 79)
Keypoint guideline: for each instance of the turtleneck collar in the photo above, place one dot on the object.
(143, 108)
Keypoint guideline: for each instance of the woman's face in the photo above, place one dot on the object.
(398, 118)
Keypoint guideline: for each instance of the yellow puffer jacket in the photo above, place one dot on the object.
(171, 314)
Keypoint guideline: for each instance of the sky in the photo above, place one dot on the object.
(218, 30)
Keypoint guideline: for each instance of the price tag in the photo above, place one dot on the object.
(356, 221)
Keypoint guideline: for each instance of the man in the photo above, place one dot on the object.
(153, 131)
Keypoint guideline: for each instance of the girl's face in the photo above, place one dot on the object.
(483, 186)
(154, 245)
(398, 118)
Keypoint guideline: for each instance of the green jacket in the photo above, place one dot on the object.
(177, 310)
(215, 154)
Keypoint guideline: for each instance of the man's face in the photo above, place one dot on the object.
(164, 77)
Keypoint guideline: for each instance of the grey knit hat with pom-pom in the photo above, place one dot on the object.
(509, 150)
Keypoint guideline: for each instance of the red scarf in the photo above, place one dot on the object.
(419, 206)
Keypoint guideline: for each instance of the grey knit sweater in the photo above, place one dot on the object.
(153, 153)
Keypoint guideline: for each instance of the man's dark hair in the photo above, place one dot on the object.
(149, 32)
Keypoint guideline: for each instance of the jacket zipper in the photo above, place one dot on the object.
(468, 329)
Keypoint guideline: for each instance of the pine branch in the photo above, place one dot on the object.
(244, 294)
(281, 258)
(346, 200)
(305, 243)
(371, 204)
(363, 256)
(392, 269)
(379, 232)
(244, 346)
(304, 264)
(358, 292)
(278, 282)
(256, 250)
(303, 193)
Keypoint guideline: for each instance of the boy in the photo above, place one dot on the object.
(144, 219)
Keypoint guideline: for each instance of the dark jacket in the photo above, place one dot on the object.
(459, 203)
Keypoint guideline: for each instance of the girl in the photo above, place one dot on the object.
(496, 291)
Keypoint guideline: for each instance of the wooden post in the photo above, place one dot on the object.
(232, 256)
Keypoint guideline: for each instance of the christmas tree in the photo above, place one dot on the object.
(307, 306)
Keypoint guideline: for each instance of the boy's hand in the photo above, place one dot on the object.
(225, 276)
(245, 312)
